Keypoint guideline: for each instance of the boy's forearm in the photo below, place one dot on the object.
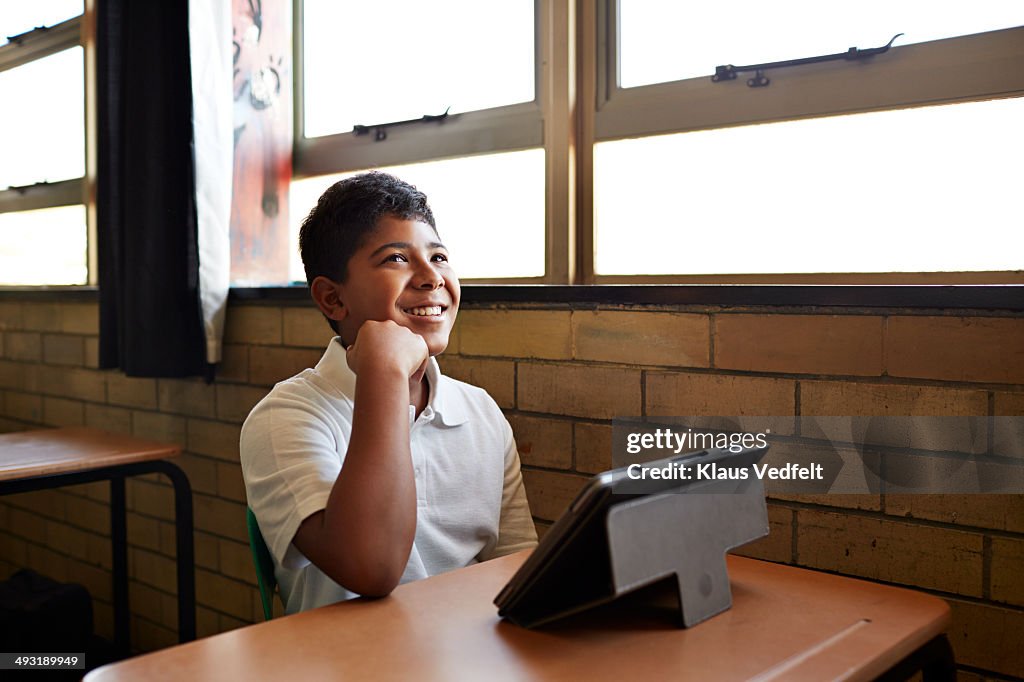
(370, 520)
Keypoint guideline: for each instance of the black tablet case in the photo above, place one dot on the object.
(610, 542)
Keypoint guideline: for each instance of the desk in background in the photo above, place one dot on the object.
(786, 624)
(51, 458)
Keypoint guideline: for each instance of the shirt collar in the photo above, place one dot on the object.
(333, 366)
(446, 402)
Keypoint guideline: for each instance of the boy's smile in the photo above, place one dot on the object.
(400, 273)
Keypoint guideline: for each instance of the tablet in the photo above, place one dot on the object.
(569, 571)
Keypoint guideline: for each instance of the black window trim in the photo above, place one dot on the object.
(1007, 298)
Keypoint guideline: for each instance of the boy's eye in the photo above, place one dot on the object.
(395, 258)
(439, 258)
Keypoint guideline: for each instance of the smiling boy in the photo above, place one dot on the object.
(373, 468)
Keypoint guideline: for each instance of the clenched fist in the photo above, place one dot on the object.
(387, 346)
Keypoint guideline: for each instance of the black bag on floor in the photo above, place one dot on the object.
(40, 615)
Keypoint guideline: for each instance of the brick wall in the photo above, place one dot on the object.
(561, 374)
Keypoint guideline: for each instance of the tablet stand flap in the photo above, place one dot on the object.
(686, 534)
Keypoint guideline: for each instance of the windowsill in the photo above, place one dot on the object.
(988, 297)
(1007, 297)
(64, 293)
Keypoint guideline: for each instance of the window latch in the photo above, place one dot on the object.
(380, 130)
(728, 71)
(22, 189)
(18, 39)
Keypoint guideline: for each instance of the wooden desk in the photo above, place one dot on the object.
(51, 458)
(786, 624)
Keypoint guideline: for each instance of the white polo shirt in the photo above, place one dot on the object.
(471, 504)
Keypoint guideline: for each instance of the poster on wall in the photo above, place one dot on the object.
(262, 42)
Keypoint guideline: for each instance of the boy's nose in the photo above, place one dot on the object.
(429, 278)
(431, 284)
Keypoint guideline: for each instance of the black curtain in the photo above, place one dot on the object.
(150, 315)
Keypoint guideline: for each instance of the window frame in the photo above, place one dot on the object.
(545, 123)
(576, 108)
(579, 104)
(961, 69)
(508, 128)
(31, 46)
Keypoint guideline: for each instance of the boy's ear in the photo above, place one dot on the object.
(326, 294)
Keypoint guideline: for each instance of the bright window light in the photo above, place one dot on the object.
(665, 41)
(394, 60)
(929, 189)
(19, 17)
(46, 246)
(43, 131)
(489, 210)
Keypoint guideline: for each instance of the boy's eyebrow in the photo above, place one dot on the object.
(405, 245)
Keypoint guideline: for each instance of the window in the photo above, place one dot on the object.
(886, 191)
(868, 170)
(458, 56)
(43, 226)
(484, 164)
(903, 162)
(661, 42)
(469, 211)
(591, 136)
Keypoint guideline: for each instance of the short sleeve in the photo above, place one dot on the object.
(516, 530)
(291, 455)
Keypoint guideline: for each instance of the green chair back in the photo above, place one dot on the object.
(264, 564)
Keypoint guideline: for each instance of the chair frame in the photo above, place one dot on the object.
(264, 564)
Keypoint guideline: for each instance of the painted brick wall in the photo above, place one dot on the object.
(560, 374)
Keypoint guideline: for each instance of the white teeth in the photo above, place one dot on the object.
(426, 311)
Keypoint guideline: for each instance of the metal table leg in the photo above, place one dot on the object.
(183, 519)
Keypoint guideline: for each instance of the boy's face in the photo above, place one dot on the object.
(400, 273)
